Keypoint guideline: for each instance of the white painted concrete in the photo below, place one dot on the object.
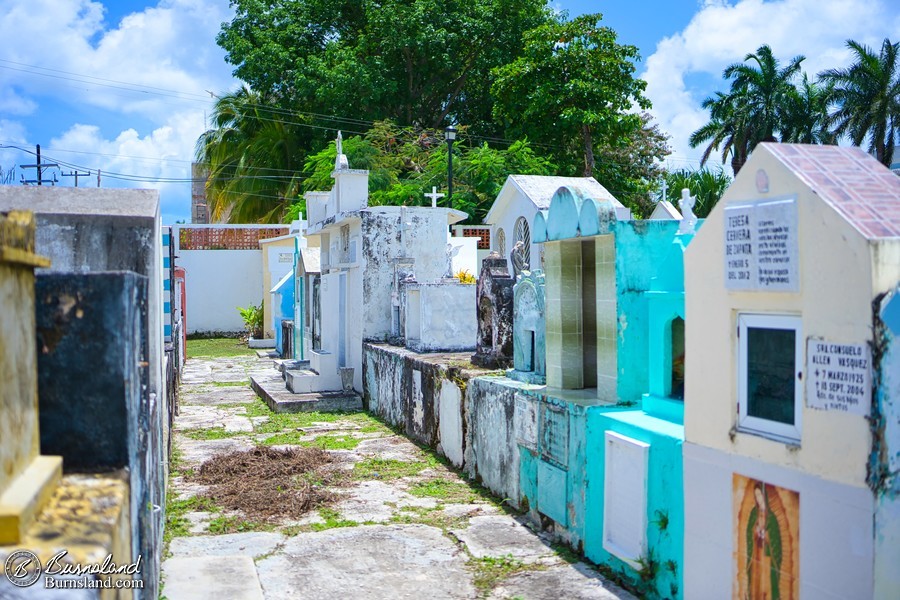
(440, 316)
(450, 422)
(217, 282)
(836, 527)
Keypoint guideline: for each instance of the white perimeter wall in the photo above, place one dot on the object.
(217, 282)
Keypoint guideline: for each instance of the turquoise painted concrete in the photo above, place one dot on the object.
(665, 496)
(642, 250)
(557, 488)
(529, 328)
(649, 295)
(539, 231)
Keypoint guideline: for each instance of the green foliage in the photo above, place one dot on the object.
(707, 185)
(770, 102)
(446, 490)
(867, 98)
(404, 163)
(253, 153)
(572, 89)
(253, 319)
(496, 68)
(420, 62)
(754, 110)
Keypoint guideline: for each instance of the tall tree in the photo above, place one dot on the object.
(867, 95)
(754, 110)
(418, 62)
(253, 155)
(725, 129)
(571, 88)
(806, 114)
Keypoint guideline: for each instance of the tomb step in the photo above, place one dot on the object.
(280, 400)
(283, 365)
(300, 381)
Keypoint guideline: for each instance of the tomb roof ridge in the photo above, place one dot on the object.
(861, 189)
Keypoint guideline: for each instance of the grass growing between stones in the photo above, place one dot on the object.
(388, 469)
(177, 524)
(210, 433)
(218, 348)
(489, 571)
(449, 491)
(433, 517)
(232, 524)
(325, 442)
(242, 383)
(332, 520)
(278, 422)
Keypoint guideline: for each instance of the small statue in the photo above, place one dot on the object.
(451, 252)
(517, 259)
(688, 218)
(340, 161)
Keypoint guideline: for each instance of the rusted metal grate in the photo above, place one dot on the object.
(239, 238)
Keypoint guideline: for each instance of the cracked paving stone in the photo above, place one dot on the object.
(394, 561)
(502, 535)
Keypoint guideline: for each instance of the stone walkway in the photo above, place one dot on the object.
(404, 525)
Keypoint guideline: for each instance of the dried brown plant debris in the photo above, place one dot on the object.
(269, 484)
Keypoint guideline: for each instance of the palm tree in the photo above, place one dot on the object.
(706, 185)
(867, 95)
(753, 111)
(253, 154)
(806, 114)
(725, 128)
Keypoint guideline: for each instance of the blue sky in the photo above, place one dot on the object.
(123, 85)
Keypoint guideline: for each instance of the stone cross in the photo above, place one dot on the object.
(688, 218)
(434, 195)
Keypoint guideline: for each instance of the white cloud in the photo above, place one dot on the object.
(63, 59)
(164, 153)
(80, 57)
(722, 33)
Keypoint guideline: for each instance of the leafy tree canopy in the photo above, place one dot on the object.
(497, 69)
(404, 163)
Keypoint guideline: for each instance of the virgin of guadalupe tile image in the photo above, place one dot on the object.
(767, 541)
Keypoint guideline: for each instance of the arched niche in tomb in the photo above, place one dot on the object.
(676, 358)
(529, 332)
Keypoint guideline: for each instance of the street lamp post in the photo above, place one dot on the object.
(450, 136)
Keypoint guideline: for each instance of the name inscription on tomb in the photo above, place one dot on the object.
(838, 377)
(761, 246)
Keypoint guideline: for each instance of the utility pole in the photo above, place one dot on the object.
(76, 175)
(40, 170)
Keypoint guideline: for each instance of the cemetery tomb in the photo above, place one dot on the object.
(27, 478)
(783, 418)
(494, 297)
